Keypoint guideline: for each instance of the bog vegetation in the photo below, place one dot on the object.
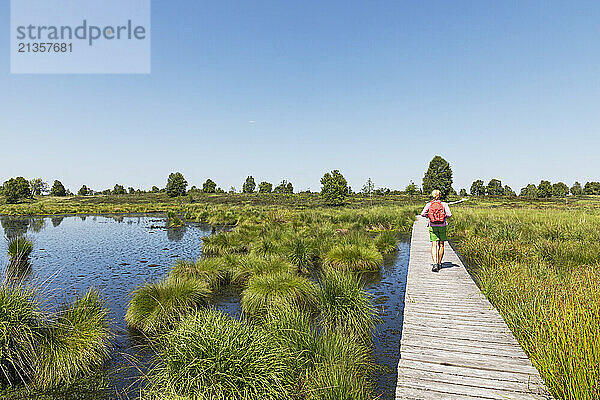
(306, 327)
(539, 267)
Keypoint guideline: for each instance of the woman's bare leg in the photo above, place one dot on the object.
(440, 251)
(434, 251)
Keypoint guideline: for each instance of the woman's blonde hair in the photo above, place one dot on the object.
(436, 194)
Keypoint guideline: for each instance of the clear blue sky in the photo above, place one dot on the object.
(501, 89)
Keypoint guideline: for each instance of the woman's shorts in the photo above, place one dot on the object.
(437, 233)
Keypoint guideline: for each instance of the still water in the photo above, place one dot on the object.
(116, 254)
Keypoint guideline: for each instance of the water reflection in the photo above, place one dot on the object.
(14, 227)
(56, 221)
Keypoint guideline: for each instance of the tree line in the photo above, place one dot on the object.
(334, 187)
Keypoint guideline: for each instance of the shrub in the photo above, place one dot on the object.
(16, 189)
(155, 307)
(58, 189)
(176, 185)
(344, 305)
(274, 291)
(209, 186)
(334, 189)
(353, 257)
(217, 358)
(438, 176)
(76, 342)
(249, 185)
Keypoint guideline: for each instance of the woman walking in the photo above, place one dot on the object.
(437, 212)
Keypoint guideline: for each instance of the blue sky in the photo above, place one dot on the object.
(501, 89)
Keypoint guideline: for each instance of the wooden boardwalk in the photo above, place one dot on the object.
(455, 344)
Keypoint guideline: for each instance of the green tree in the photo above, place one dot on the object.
(16, 189)
(591, 188)
(560, 190)
(118, 189)
(438, 176)
(478, 188)
(232, 190)
(334, 188)
(494, 188)
(411, 189)
(544, 189)
(368, 188)
(463, 192)
(530, 191)
(84, 191)
(576, 189)
(209, 186)
(176, 185)
(508, 191)
(155, 189)
(38, 187)
(249, 185)
(265, 187)
(58, 189)
(131, 190)
(289, 188)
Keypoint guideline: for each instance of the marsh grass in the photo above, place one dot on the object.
(344, 305)
(268, 292)
(157, 306)
(225, 243)
(76, 342)
(214, 271)
(353, 257)
(386, 242)
(217, 358)
(246, 266)
(539, 269)
(20, 318)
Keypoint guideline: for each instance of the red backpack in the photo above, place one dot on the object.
(436, 214)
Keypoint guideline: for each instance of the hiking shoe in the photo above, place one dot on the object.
(434, 268)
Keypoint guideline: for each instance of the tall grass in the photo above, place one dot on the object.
(46, 351)
(76, 342)
(265, 293)
(353, 257)
(20, 318)
(214, 271)
(212, 357)
(539, 268)
(157, 306)
(344, 305)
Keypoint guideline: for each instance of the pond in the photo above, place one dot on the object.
(117, 254)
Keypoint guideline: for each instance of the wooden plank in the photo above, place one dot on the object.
(455, 344)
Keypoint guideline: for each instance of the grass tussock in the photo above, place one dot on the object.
(76, 342)
(344, 305)
(19, 249)
(216, 358)
(214, 271)
(268, 292)
(20, 318)
(157, 306)
(46, 351)
(353, 257)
